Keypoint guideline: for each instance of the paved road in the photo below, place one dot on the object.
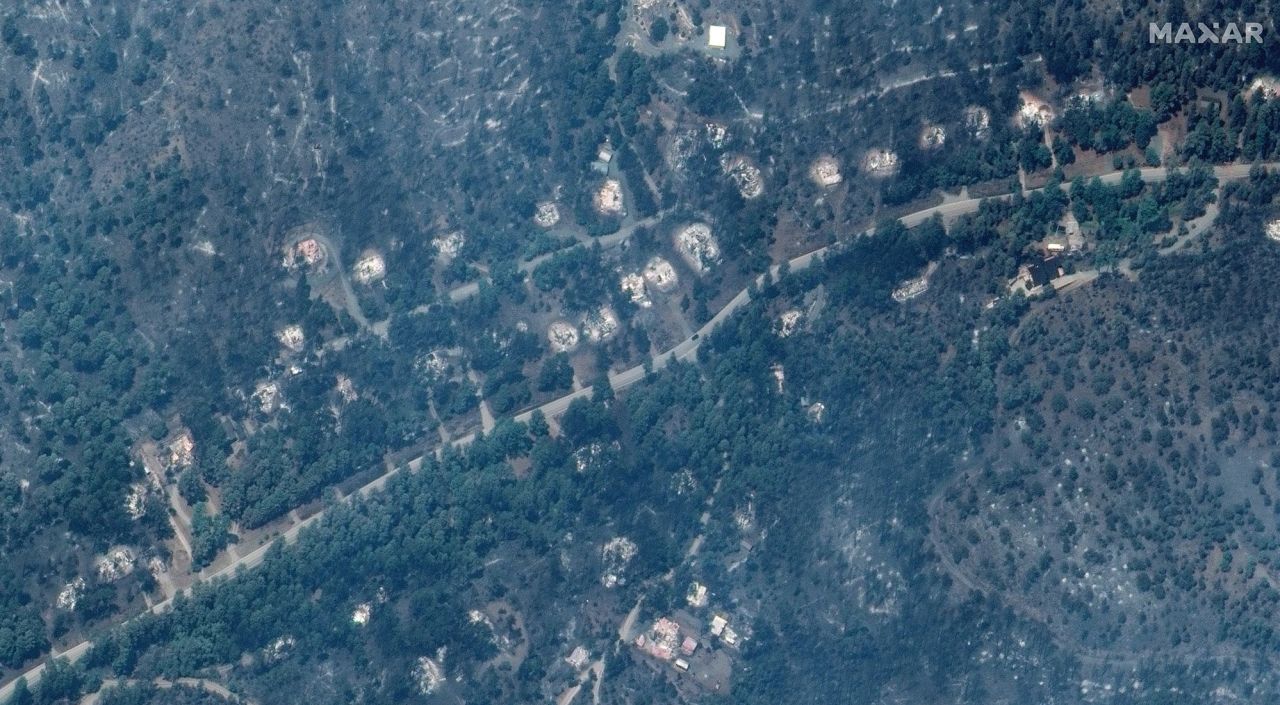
(685, 350)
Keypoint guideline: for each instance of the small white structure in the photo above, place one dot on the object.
(346, 389)
(370, 268)
(450, 245)
(1033, 112)
(1088, 97)
(268, 396)
(788, 322)
(698, 246)
(361, 614)
(1071, 228)
(619, 549)
(292, 337)
(156, 566)
(616, 554)
(717, 134)
(682, 146)
(547, 214)
(1273, 230)
(718, 623)
(182, 449)
(825, 171)
(745, 175)
(585, 457)
(697, 596)
(717, 36)
(608, 198)
(660, 275)
(279, 648)
(1267, 85)
(880, 163)
(70, 594)
(816, 411)
(429, 675)
(115, 565)
(933, 137)
(433, 365)
(779, 376)
(578, 658)
(633, 286)
(720, 627)
(563, 336)
(135, 502)
(662, 640)
(910, 289)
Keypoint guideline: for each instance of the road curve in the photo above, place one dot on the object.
(684, 350)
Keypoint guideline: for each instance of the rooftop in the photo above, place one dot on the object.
(578, 658)
(717, 36)
(1043, 272)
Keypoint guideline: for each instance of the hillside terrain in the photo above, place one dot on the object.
(636, 350)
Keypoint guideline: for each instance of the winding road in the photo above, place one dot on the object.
(685, 350)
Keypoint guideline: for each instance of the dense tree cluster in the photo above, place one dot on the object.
(1107, 128)
(145, 208)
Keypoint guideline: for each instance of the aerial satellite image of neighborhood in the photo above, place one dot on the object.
(639, 352)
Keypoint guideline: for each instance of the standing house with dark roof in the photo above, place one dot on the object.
(1044, 272)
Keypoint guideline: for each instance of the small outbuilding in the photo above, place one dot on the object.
(717, 36)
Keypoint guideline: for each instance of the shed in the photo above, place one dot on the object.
(716, 36)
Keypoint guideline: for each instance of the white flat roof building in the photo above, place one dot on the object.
(716, 35)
